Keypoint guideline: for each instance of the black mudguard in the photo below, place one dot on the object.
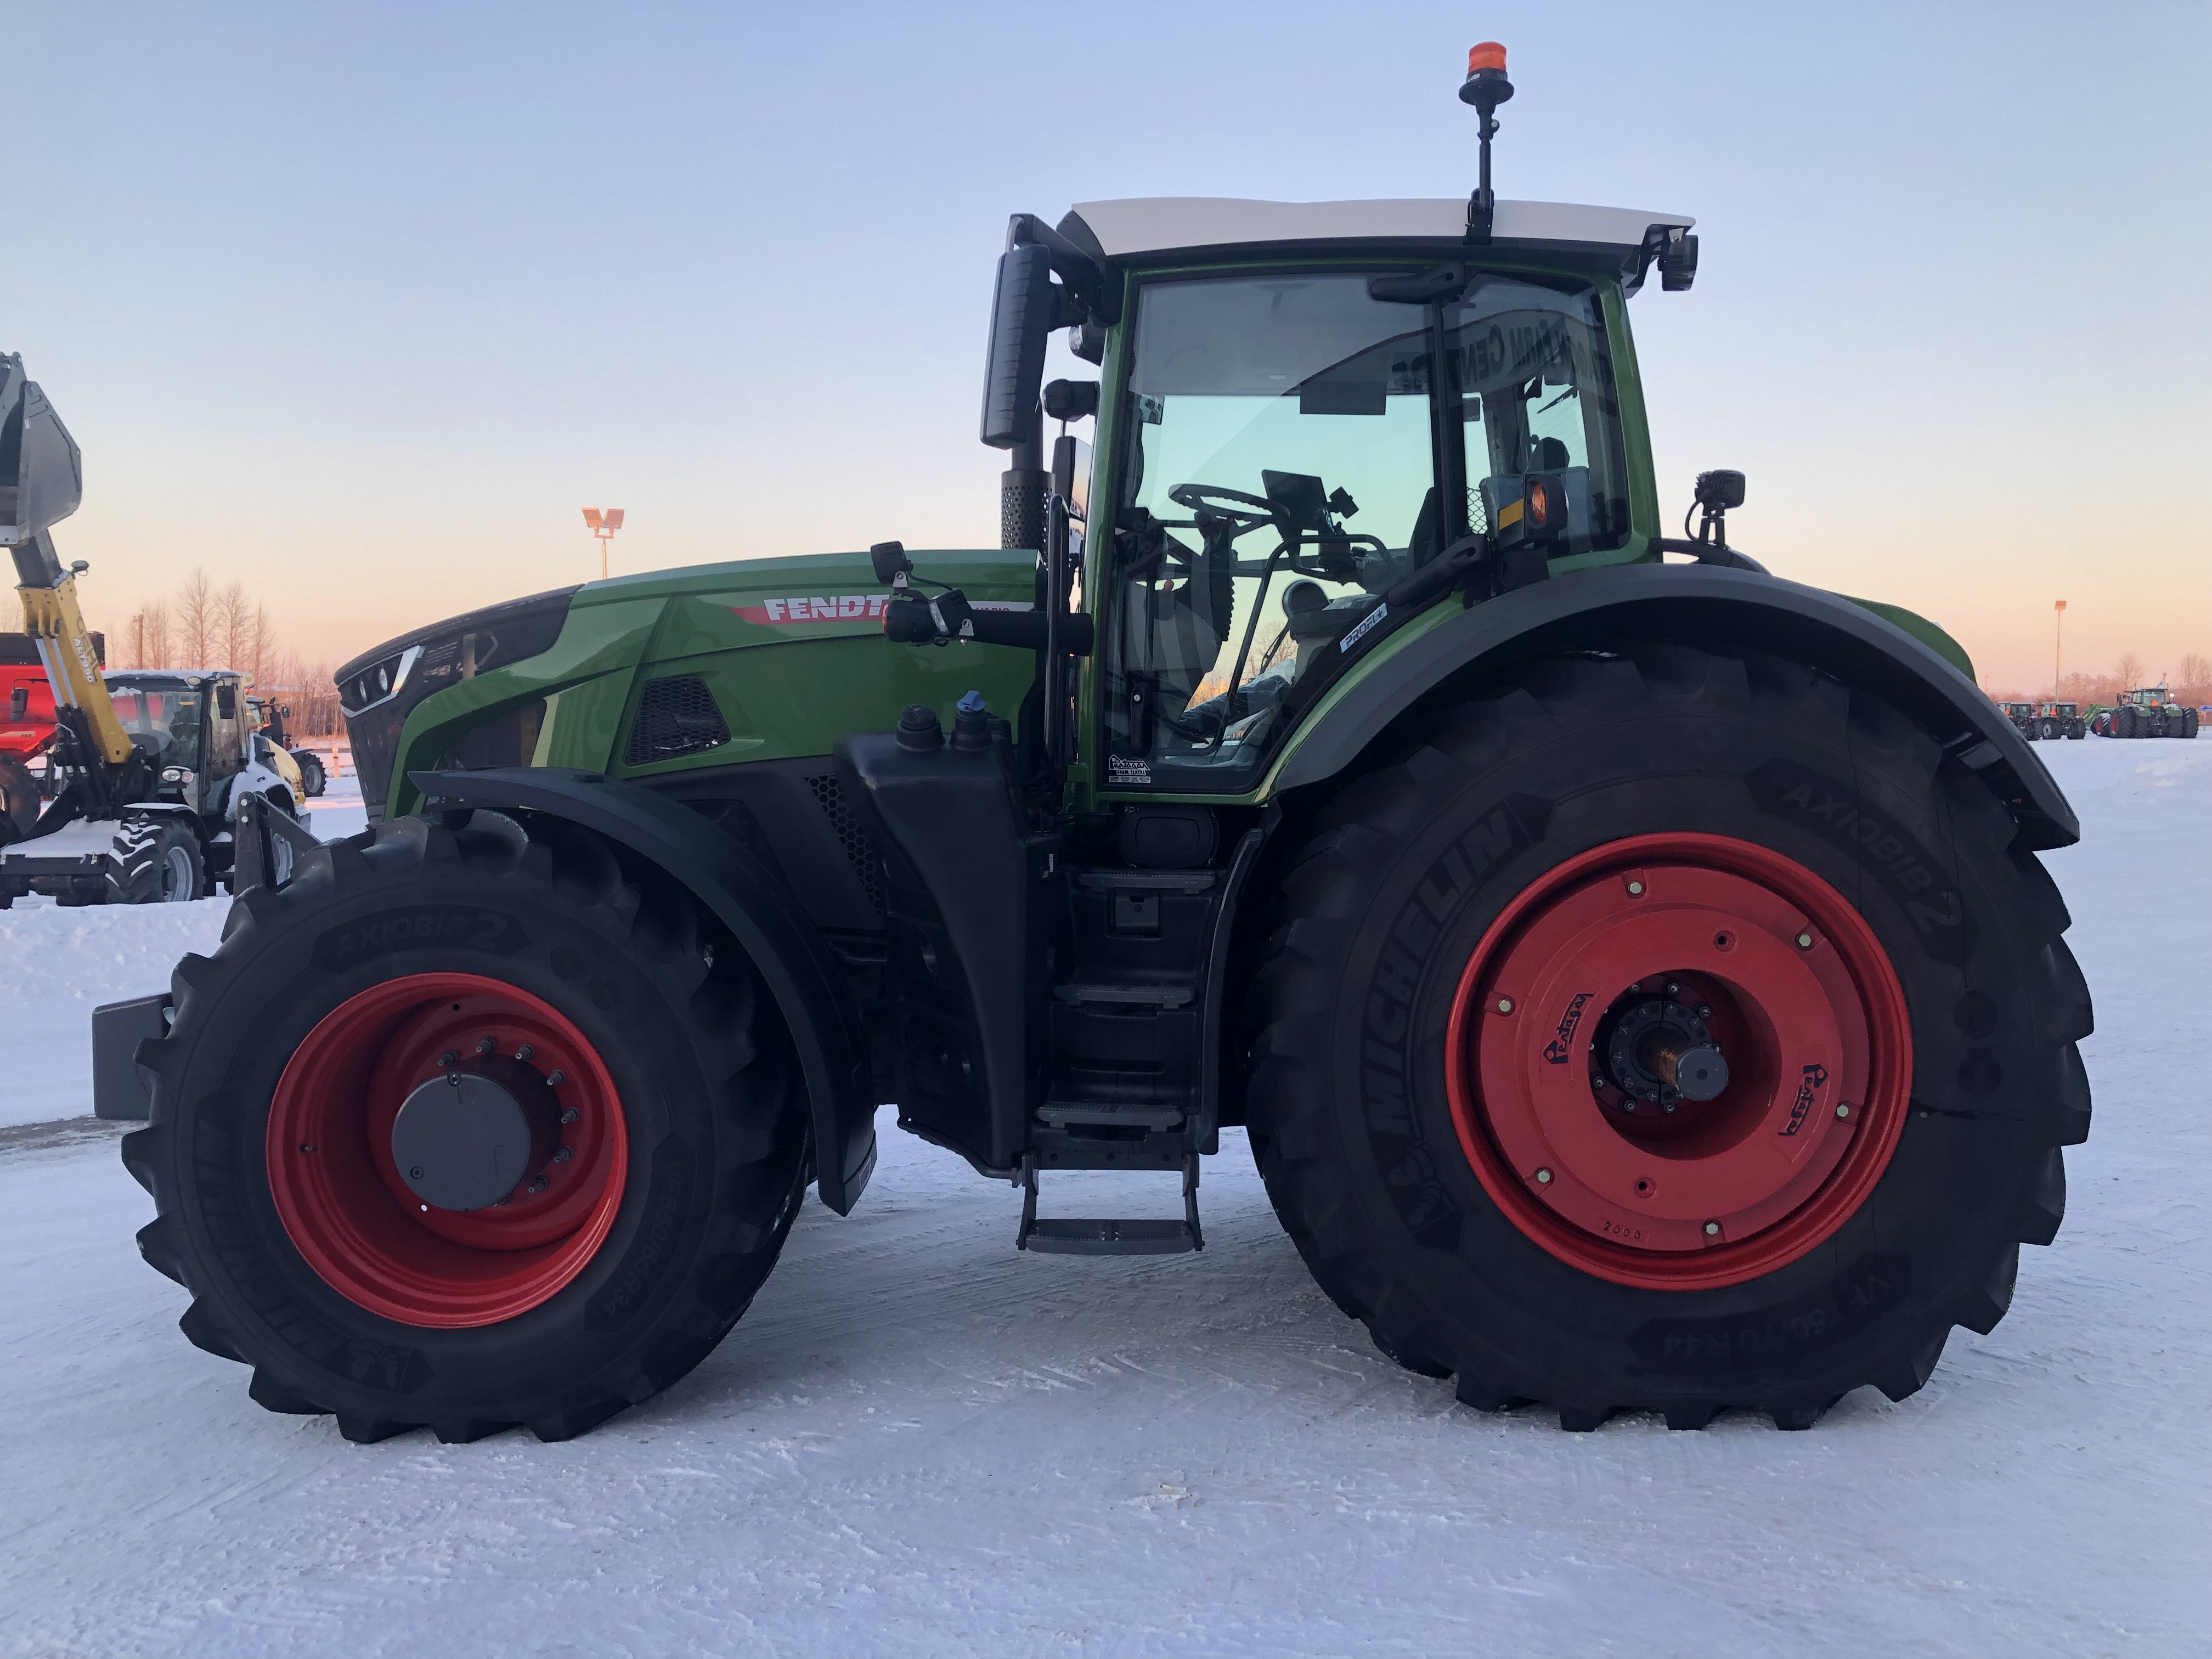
(1711, 607)
(754, 904)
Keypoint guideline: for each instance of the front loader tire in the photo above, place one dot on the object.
(1434, 1103)
(158, 861)
(409, 955)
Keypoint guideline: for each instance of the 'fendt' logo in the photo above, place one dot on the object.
(1808, 1089)
(836, 607)
(1559, 1048)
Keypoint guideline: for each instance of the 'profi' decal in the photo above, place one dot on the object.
(838, 607)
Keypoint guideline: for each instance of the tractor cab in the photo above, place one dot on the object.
(192, 726)
(1296, 445)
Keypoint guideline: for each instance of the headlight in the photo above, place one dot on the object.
(176, 774)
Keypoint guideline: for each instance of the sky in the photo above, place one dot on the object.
(361, 304)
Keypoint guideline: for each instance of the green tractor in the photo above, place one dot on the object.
(1635, 980)
(2149, 711)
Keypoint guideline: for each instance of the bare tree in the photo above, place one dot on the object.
(2195, 676)
(234, 614)
(199, 621)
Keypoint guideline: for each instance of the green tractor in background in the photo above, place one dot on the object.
(2149, 711)
(1635, 980)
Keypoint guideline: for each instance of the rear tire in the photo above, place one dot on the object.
(312, 778)
(1415, 1215)
(555, 1307)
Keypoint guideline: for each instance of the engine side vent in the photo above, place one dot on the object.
(675, 716)
(845, 825)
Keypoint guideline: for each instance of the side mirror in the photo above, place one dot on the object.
(226, 700)
(1070, 474)
(1022, 316)
(41, 470)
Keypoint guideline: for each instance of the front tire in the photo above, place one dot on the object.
(159, 862)
(406, 957)
(1439, 1115)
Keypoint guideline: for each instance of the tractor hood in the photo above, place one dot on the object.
(550, 680)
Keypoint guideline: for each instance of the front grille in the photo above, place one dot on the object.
(845, 825)
(675, 717)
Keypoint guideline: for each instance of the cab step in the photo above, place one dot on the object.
(1108, 1236)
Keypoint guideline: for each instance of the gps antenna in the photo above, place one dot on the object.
(1485, 87)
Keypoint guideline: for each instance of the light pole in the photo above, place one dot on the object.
(604, 526)
(2057, 639)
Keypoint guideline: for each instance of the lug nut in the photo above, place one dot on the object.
(1804, 941)
(563, 1155)
(1505, 1004)
(557, 1078)
(1712, 1229)
(485, 1045)
(1666, 1105)
(524, 1052)
(1843, 1109)
(1673, 990)
(1636, 890)
(451, 1057)
(1704, 1010)
(1543, 1177)
(1596, 1082)
(538, 1184)
(570, 1115)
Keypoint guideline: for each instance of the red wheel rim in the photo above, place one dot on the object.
(343, 1201)
(1802, 999)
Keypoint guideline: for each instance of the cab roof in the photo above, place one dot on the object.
(1139, 226)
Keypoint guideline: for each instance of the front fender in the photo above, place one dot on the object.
(754, 904)
(1703, 606)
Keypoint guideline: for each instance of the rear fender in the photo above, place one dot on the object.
(1699, 605)
(753, 903)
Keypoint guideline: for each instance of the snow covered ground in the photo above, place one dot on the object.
(60, 964)
(920, 1442)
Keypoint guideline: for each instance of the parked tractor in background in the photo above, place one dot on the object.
(2059, 720)
(1636, 981)
(2148, 712)
(301, 768)
(146, 772)
(2022, 716)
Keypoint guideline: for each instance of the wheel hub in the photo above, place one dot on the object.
(447, 1150)
(1658, 1052)
(470, 1140)
(1679, 1060)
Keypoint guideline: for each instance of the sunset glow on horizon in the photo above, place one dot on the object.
(359, 310)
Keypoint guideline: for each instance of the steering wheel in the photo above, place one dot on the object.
(1246, 512)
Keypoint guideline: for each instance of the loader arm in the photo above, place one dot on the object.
(41, 481)
(51, 617)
